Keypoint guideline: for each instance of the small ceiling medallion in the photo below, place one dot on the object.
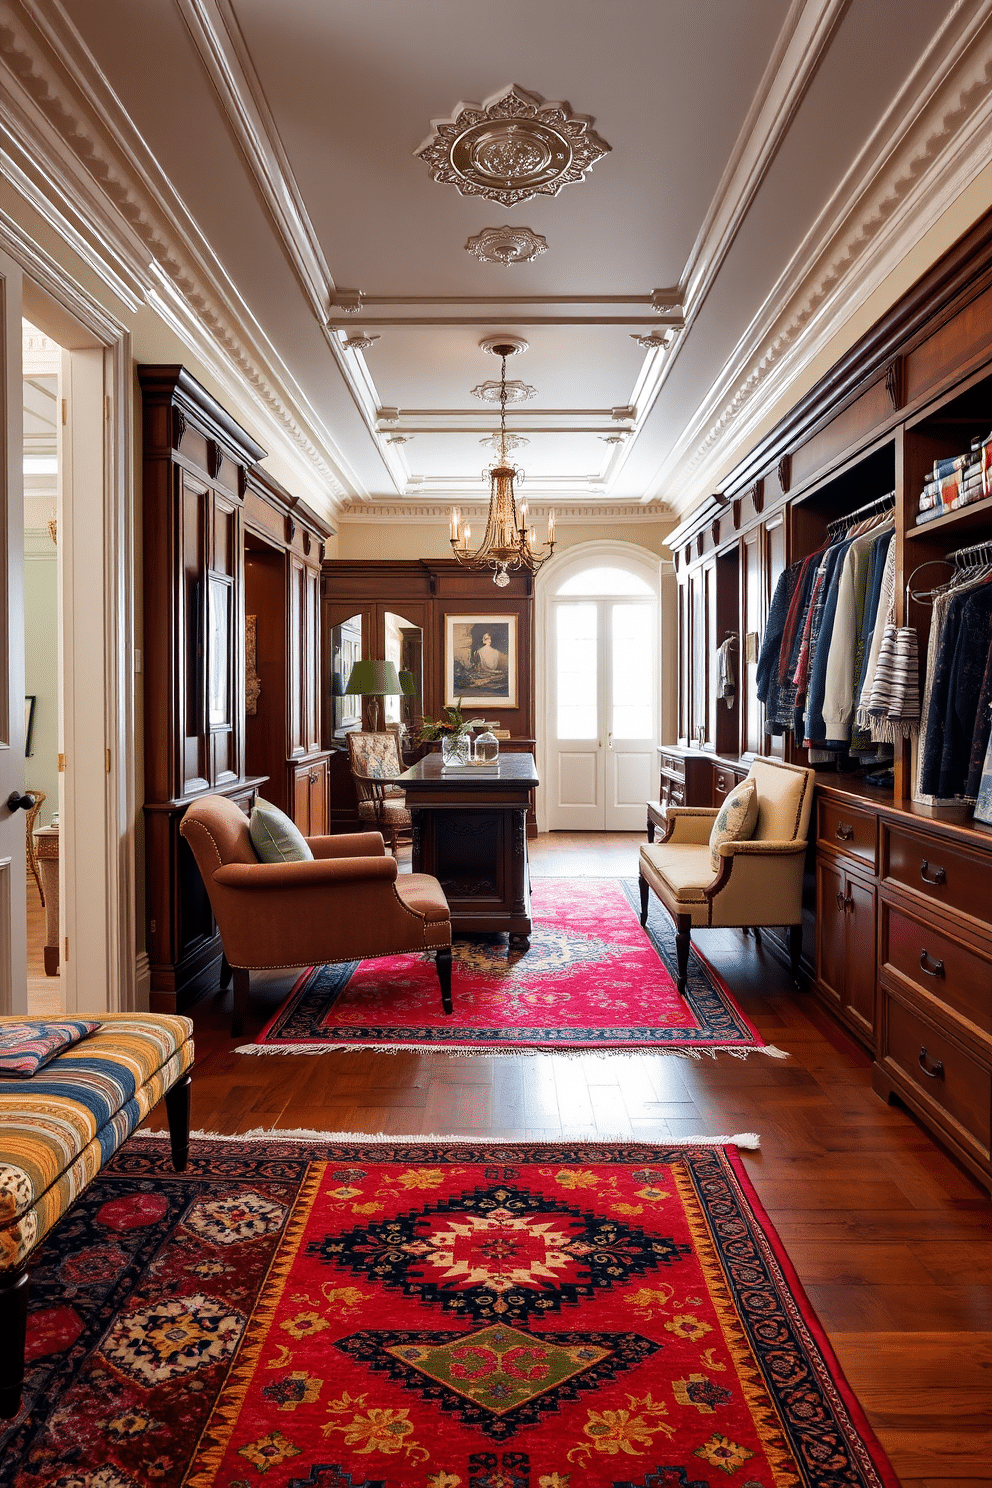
(650, 342)
(507, 245)
(616, 438)
(512, 147)
(516, 392)
(398, 438)
(361, 342)
(504, 345)
(513, 441)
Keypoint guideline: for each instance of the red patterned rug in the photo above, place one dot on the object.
(346, 1314)
(592, 979)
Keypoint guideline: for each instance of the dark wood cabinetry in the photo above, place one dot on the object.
(901, 894)
(217, 533)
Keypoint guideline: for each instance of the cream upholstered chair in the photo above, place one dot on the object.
(760, 881)
(375, 763)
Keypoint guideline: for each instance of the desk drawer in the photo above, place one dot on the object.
(724, 781)
(945, 872)
(952, 1083)
(848, 830)
(672, 765)
(953, 973)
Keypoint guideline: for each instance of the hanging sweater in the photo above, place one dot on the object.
(971, 653)
(820, 640)
(838, 682)
(766, 675)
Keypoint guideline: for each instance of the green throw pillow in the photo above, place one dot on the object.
(736, 819)
(275, 838)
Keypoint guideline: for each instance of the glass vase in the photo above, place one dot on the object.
(456, 749)
(486, 747)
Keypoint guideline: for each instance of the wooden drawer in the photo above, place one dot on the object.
(941, 967)
(848, 830)
(672, 765)
(945, 872)
(724, 780)
(958, 1088)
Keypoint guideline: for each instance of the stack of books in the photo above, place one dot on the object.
(957, 481)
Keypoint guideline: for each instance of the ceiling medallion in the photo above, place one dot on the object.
(515, 391)
(507, 245)
(512, 441)
(650, 342)
(512, 147)
(361, 342)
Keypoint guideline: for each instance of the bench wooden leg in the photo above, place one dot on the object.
(177, 1109)
(242, 985)
(643, 886)
(13, 1331)
(442, 961)
(683, 928)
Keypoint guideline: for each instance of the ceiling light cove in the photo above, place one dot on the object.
(507, 245)
(512, 147)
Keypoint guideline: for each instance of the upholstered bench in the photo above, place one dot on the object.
(59, 1127)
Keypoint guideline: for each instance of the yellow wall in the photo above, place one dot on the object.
(422, 540)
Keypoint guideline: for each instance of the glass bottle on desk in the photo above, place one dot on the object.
(486, 747)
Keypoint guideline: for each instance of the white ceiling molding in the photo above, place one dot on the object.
(592, 514)
(931, 144)
(72, 137)
(217, 37)
(802, 42)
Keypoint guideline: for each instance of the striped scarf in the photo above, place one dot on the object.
(894, 702)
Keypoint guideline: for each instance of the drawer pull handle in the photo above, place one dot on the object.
(848, 902)
(937, 1072)
(931, 965)
(841, 901)
(844, 832)
(939, 876)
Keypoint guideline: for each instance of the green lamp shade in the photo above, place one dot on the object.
(408, 685)
(374, 679)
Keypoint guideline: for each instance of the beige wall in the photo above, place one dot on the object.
(415, 540)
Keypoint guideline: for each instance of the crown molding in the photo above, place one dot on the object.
(78, 155)
(588, 513)
(927, 149)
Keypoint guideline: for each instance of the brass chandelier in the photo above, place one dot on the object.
(509, 543)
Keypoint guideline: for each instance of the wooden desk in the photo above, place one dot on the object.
(471, 833)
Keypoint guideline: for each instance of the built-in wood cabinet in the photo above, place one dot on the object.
(221, 542)
(899, 896)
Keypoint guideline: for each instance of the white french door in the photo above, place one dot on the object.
(603, 677)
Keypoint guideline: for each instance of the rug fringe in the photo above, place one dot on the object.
(472, 1052)
(748, 1141)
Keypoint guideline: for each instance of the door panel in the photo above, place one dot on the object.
(578, 781)
(13, 963)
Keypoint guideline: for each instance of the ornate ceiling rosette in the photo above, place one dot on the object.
(512, 147)
(507, 245)
(516, 391)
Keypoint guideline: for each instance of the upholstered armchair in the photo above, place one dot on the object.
(759, 881)
(375, 764)
(348, 904)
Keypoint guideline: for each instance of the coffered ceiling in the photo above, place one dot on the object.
(738, 176)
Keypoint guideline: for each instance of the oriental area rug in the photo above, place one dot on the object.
(331, 1312)
(591, 979)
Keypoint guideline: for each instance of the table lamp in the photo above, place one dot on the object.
(374, 679)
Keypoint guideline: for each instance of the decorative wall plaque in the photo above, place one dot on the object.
(512, 147)
(507, 245)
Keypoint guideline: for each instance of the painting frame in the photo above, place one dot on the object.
(480, 661)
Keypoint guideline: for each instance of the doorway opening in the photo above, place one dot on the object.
(599, 617)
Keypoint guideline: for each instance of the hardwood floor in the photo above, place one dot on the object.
(890, 1238)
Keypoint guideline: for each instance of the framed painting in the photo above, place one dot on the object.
(480, 660)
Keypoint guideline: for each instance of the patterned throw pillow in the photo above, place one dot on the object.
(275, 838)
(26, 1047)
(736, 819)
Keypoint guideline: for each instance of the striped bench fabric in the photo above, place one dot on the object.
(58, 1128)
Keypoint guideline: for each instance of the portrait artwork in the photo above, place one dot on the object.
(480, 660)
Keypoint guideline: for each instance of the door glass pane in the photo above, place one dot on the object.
(605, 581)
(575, 648)
(632, 701)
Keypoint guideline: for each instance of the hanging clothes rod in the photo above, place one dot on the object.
(870, 508)
(962, 557)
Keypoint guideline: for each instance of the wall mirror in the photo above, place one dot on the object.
(405, 649)
(346, 648)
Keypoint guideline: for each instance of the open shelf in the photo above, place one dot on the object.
(962, 520)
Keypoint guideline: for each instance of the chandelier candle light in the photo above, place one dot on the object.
(509, 542)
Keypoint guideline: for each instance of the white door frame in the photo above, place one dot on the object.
(641, 561)
(97, 551)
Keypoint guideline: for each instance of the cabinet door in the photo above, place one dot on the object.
(319, 812)
(752, 623)
(831, 931)
(301, 799)
(860, 983)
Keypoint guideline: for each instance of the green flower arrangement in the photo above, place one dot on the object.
(451, 726)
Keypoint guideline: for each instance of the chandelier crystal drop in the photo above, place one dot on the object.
(509, 543)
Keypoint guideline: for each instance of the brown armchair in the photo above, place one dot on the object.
(346, 905)
(375, 764)
(760, 881)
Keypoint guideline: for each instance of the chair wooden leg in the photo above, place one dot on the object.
(13, 1331)
(225, 973)
(643, 886)
(650, 830)
(242, 984)
(177, 1109)
(795, 950)
(442, 961)
(683, 928)
(757, 936)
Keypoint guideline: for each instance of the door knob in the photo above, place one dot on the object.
(17, 802)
